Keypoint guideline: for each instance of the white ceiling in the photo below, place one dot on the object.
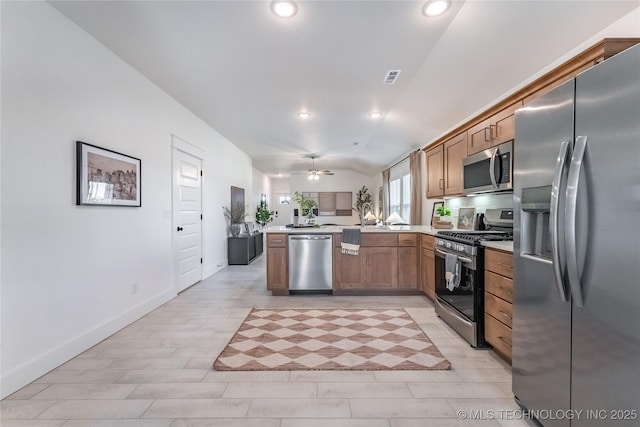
(247, 72)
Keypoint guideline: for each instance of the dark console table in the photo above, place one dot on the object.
(244, 249)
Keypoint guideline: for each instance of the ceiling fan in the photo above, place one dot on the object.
(314, 173)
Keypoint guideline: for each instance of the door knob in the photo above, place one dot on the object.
(179, 228)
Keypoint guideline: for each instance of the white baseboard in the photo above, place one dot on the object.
(212, 270)
(35, 368)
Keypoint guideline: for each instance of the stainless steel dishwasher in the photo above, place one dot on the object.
(310, 263)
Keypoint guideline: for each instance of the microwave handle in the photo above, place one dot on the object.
(492, 169)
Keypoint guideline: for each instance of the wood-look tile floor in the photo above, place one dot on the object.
(157, 373)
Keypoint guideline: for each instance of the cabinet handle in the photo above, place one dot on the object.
(491, 135)
(487, 139)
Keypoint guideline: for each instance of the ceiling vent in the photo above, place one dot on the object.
(392, 76)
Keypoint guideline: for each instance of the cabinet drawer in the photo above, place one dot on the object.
(498, 335)
(379, 239)
(276, 240)
(407, 239)
(499, 262)
(500, 286)
(427, 241)
(498, 308)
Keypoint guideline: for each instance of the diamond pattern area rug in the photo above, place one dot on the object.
(329, 339)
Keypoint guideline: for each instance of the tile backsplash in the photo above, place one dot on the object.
(481, 203)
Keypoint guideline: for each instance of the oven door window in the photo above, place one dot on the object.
(462, 298)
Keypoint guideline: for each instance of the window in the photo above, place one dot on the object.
(400, 190)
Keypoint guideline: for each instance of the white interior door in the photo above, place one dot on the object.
(187, 219)
(282, 208)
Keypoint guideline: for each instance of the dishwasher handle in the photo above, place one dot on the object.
(310, 237)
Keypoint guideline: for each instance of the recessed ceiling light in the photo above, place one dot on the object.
(304, 115)
(284, 9)
(436, 7)
(375, 115)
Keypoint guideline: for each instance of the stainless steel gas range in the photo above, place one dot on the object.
(460, 294)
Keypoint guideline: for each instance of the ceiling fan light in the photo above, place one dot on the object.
(284, 9)
(435, 7)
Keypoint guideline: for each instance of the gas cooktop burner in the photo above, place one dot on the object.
(476, 236)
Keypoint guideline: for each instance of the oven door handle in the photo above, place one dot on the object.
(461, 258)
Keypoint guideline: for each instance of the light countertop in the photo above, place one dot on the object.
(422, 229)
(325, 229)
(503, 246)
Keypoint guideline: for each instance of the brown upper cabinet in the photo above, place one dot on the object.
(497, 124)
(444, 167)
(455, 150)
(495, 130)
(435, 172)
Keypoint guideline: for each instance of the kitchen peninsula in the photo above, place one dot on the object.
(392, 260)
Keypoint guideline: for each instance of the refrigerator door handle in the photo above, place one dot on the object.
(492, 169)
(571, 209)
(557, 247)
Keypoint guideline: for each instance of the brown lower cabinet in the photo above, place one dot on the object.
(498, 301)
(385, 262)
(277, 264)
(428, 267)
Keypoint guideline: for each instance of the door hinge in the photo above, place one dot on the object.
(200, 260)
(200, 172)
(200, 217)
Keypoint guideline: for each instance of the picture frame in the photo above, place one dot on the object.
(466, 218)
(107, 178)
(433, 210)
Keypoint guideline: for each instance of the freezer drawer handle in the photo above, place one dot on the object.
(557, 240)
(573, 181)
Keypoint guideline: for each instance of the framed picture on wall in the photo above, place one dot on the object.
(106, 178)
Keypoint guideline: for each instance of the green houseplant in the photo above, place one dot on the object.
(235, 214)
(263, 215)
(442, 211)
(306, 204)
(363, 201)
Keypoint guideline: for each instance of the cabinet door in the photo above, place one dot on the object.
(429, 273)
(479, 137)
(455, 150)
(381, 267)
(348, 269)
(503, 124)
(277, 269)
(407, 268)
(435, 172)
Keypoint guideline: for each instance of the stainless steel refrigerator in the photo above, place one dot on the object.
(576, 314)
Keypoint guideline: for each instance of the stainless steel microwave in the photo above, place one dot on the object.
(489, 170)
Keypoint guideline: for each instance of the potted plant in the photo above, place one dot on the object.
(363, 201)
(263, 214)
(443, 212)
(306, 204)
(235, 214)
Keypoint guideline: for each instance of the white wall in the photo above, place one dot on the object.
(261, 185)
(67, 271)
(341, 181)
